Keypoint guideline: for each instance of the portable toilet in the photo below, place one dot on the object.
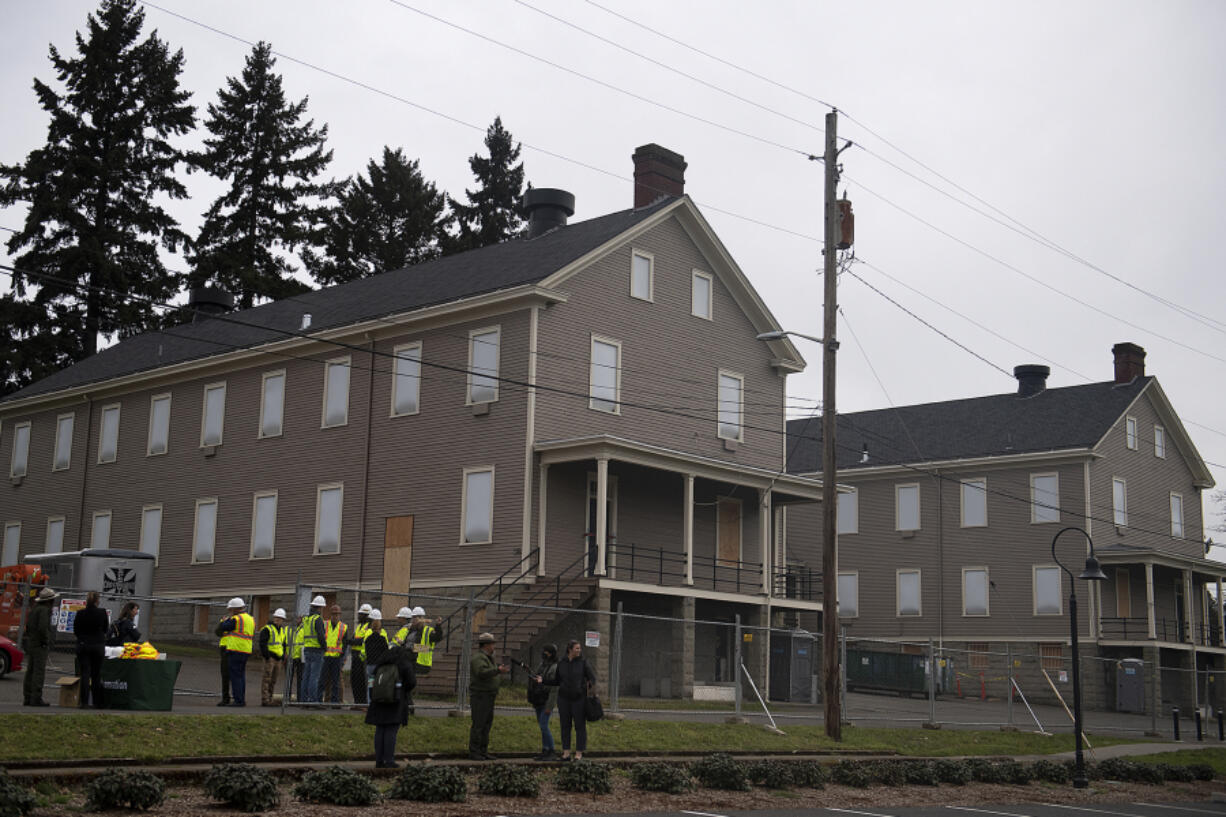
(1130, 685)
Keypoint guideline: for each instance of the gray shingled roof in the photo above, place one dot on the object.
(1055, 420)
(489, 269)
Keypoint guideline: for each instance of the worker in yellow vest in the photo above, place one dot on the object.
(334, 656)
(312, 652)
(357, 656)
(405, 617)
(294, 668)
(272, 650)
(423, 637)
(238, 628)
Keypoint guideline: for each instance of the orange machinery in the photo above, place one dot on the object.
(13, 579)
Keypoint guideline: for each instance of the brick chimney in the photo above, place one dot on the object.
(1129, 362)
(657, 172)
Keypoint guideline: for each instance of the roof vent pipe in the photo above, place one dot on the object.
(205, 302)
(306, 322)
(1031, 379)
(547, 209)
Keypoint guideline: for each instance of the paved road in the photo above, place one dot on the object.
(1148, 809)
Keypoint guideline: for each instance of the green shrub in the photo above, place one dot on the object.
(999, 771)
(852, 773)
(810, 774)
(770, 774)
(886, 772)
(243, 786)
(672, 778)
(585, 776)
(337, 785)
(15, 799)
(920, 773)
(116, 788)
(503, 780)
(1178, 774)
(720, 771)
(1148, 773)
(1202, 771)
(1115, 768)
(954, 772)
(1050, 771)
(427, 783)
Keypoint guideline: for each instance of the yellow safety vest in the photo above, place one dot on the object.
(299, 637)
(239, 639)
(359, 633)
(402, 635)
(425, 658)
(310, 640)
(335, 637)
(276, 640)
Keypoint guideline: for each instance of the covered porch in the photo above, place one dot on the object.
(1155, 597)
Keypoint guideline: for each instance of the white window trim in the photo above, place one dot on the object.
(617, 376)
(319, 492)
(1034, 589)
(347, 362)
(397, 351)
(855, 574)
(855, 520)
(919, 514)
(710, 279)
(1159, 442)
(196, 527)
(1182, 527)
(472, 335)
(898, 574)
(973, 481)
(464, 503)
(140, 543)
(651, 275)
(987, 591)
(1130, 433)
(110, 526)
(1115, 512)
(740, 409)
(51, 520)
(102, 431)
(149, 452)
(204, 414)
(7, 527)
(55, 444)
(1034, 502)
(25, 453)
(260, 435)
(255, 504)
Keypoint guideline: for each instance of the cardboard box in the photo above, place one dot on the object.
(70, 691)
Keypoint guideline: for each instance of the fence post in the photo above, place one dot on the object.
(1009, 661)
(736, 668)
(466, 650)
(932, 683)
(615, 666)
(1175, 721)
(1157, 697)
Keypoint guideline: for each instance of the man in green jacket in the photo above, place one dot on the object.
(36, 641)
(483, 683)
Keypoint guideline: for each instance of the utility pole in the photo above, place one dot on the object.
(830, 504)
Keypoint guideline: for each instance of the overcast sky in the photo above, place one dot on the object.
(1100, 126)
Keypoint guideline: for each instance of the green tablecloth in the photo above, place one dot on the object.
(136, 683)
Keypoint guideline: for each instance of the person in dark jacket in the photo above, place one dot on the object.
(387, 718)
(90, 626)
(574, 678)
(547, 677)
(36, 641)
(483, 684)
(124, 629)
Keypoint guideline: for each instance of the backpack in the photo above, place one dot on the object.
(386, 687)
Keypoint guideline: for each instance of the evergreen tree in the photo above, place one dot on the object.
(387, 220)
(492, 214)
(270, 157)
(87, 257)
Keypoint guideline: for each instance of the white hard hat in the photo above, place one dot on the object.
(375, 615)
(418, 611)
(318, 601)
(365, 608)
(235, 603)
(279, 613)
(404, 612)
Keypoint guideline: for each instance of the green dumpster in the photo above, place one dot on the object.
(887, 671)
(136, 683)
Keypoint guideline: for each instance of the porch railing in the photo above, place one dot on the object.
(797, 582)
(1165, 629)
(629, 561)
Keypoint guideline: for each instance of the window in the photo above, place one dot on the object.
(1159, 442)
(849, 595)
(604, 387)
(478, 503)
(100, 533)
(336, 392)
(641, 275)
(1047, 596)
(1119, 501)
(214, 414)
(1051, 656)
(406, 379)
(483, 365)
(204, 537)
(329, 500)
(849, 512)
(263, 525)
(731, 405)
(1130, 432)
(906, 507)
(974, 503)
(977, 654)
(63, 442)
(1177, 516)
(1123, 593)
(55, 535)
(700, 295)
(159, 424)
(21, 450)
(1044, 498)
(974, 591)
(12, 543)
(108, 436)
(272, 404)
(908, 593)
(151, 531)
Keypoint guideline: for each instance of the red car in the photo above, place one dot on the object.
(10, 656)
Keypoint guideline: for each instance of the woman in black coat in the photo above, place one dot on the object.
(89, 626)
(574, 678)
(124, 629)
(387, 718)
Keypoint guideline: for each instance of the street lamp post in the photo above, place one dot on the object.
(1093, 572)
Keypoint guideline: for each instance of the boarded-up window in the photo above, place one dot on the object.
(201, 620)
(1123, 593)
(978, 655)
(1051, 656)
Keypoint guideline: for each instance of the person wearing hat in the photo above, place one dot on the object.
(404, 617)
(312, 651)
(546, 694)
(424, 637)
(375, 644)
(483, 687)
(273, 637)
(297, 634)
(357, 652)
(238, 628)
(388, 716)
(334, 656)
(36, 641)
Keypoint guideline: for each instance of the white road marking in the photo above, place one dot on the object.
(704, 814)
(985, 811)
(1094, 810)
(864, 813)
(1181, 808)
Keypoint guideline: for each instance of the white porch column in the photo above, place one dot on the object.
(1221, 615)
(542, 503)
(764, 538)
(602, 513)
(687, 517)
(1149, 601)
